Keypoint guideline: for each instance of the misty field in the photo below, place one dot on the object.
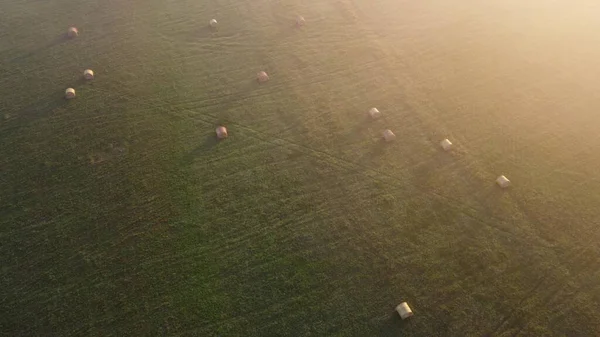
(122, 215)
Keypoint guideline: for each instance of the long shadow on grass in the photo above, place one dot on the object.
(298, 122)
(469, 180)
(359, 131)
(207, 31)
(288, 29)
(54, 42)
(228, 107)
(471, 192)
(376, 153)
(395, 326)
(209, 143)
(41, 108)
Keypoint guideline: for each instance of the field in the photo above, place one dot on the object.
(121, 215)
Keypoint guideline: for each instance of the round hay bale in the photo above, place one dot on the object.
(88, 74)
(213, 23)
(300, 21)
(262, 77)
(388, 135)
(446, 144)
(221, 132)
(70, 93)
(374, 113)
(404, 310)
(503, 182)
(72, 32)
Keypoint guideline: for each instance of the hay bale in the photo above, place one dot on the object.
(213, 23)
(503, 182)
(374, 113)
(72, 32)
(300, 21)
(70, 93)
(262, 77)
(404, 310)
(388, 135)
(88, 74)
(221, 132)
(446, 144)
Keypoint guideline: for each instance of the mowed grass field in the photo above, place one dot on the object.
(121, 215)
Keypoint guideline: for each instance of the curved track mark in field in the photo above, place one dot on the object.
(426, 116)
(498, 329)
(273, 87)
(339, 162)
(333, 159)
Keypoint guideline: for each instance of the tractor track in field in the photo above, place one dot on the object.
(226, 253)
(347, 165)
(548, 292)
(213, 102)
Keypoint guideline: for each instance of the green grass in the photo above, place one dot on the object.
(120, 214)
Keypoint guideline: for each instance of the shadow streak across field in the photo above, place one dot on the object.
(394, 326)
(206, 31)
(209, 143)
(485, 191)
(41, 108)
(360, 131)
(54, 42)
(377, 150)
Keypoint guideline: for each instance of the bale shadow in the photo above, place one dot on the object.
(255, 83)
(477, 186)
(209, 143)
(41, 108)
(54, 42)
(207, 31)
(360, 129)
(81, 81)
(246, 90)
(438, 161)
(394, 326)
(287, 30)
(292, 123)
(286, 26)
(364, 124)
(493, 193)
(377, 151)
